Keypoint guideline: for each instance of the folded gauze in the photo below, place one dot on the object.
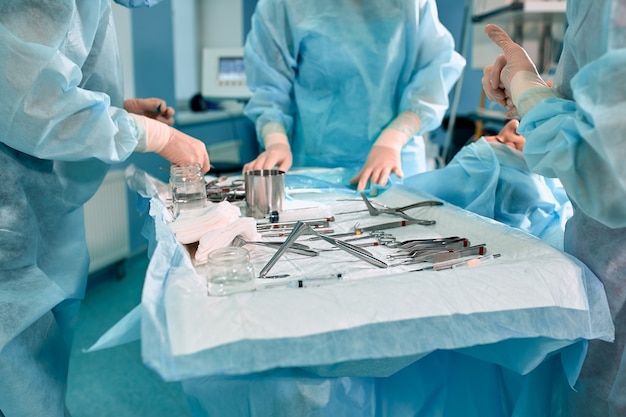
(191, 225)
(221, 237)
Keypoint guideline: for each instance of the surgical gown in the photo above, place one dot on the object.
(335, 73)
(581, 140)
(60, 79)
(492, 179)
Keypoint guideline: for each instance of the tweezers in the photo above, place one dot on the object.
(426, 250)
(443, 256)
(418, 244)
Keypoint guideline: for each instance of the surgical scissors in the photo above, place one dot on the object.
(397, 211)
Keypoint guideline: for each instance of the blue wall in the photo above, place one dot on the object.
(451, 15)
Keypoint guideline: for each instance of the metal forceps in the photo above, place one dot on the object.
(231, 192)
(302, 228)
(397, 211)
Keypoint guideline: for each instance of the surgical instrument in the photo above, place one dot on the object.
(287, 232)
(315, 223)
(446, 255)
(298, 248)
(417, 243)
(358, 231)
(398, 211)
(386, 209)
(295, 234)
(301, 228)
(232, 192)
(357, 251)
(416, 253)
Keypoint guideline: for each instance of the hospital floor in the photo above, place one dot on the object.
(114, 382)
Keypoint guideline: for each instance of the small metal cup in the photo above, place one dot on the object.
(265, 192)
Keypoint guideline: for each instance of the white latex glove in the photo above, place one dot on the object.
(277, 152)
(384, 157)
(154, 108)
(172, 144)
(513, 81)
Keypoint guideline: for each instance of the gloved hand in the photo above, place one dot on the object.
(384, 157)
(513, 81)
(509, 136)
(154, 108)
(380, 163)
(277, 151)
(172, 144)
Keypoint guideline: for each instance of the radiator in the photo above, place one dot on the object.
(106, 222)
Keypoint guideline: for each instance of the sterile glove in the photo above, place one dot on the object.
(384, 157)
(508, 135)
(172, 144)
(154, 108)
(277, 152)
(513, 81)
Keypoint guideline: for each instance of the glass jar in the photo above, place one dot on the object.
(188, 188)
(229, 271)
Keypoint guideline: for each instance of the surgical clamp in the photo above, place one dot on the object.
(358, 231)
(398, 211)
(426, 203)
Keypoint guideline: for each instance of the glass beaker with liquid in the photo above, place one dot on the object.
(188, 188)
(229, 271)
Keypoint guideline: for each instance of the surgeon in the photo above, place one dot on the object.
(348, 83)
(62, 125)
(576, 132)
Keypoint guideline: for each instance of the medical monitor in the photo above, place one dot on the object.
(223, 74)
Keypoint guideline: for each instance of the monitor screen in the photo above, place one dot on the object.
(231, 69)
(223, 74)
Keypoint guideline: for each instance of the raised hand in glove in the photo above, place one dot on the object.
(513, 81)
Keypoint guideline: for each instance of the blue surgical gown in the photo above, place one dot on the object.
(60, 80)
(335, 73)
(581, 140)
(492, 179)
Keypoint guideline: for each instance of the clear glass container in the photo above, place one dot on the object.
(229, 271)
(188, 188)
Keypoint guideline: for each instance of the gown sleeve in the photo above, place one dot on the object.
(582, 141)
(436, 69)
(55, 85)
(271, 67)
